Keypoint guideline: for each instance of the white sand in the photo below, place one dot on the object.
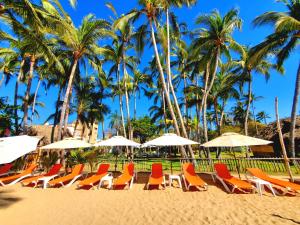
(68, 206)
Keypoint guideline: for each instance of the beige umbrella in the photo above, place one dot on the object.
(117, 141)
(235, 140)
(68, 143)
(169, 140)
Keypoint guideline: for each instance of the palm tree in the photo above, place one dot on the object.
(82, 42)
(284, 40)
(262, 116)
(248, 65)
(215, 40)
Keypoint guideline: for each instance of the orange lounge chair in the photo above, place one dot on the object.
(224, 176)
(4, 170)
(157, 177)
(68, 180)
(126, 178)
(91, 181)
(53, 172)
(190, 178)
(10, 180)
(288, 186)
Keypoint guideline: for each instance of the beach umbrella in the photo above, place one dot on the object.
(12, 148)
(117, 141)
(68, 143)
(169, 140)
(235, 140)
(232, 140)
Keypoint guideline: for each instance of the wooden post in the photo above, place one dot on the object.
(285, 157)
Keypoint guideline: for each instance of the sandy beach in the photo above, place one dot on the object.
(66, 206)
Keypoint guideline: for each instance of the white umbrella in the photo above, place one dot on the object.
(12, 148)
(169, 140)
(235, 140)
(68, 143)
(117, 141)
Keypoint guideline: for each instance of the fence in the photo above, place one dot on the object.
(270, 165)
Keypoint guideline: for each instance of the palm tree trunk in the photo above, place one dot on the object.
(294, 114)
(126, 97)
(121, 101)
(164, 109)
(169, 103)
(27, 93)
(172, 87)
(16, 96)
(103, 132)
(56, 114)
(34, 100)
(248, 104)
(134, 113)
(217, 116)
(75, 127)
(66, 98)
(66, 120)
(254, 118)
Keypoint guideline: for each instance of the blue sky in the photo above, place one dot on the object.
(278, 85)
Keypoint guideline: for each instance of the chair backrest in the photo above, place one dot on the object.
(129, 169)
(103, 168)
(258, 173)
(30, 168)
(157, 170)
(5, 168)
(54, 170)
(222, 171)
(188, 168)
(77, 169)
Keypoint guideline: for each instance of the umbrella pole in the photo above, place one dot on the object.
(236, 163)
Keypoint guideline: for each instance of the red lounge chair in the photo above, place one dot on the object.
(4, 170)
(224, 176)
(190, 178)
(10, 180)
(157, 177)
(127, 177)
(91, 181)
(53, 172)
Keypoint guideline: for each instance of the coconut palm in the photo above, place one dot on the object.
(284, 40)
(248, 65)
(82, 42)
(262, 116)
(215, 40)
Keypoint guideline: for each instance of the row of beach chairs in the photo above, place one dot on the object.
(156, 178)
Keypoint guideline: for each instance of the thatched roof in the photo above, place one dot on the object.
(270, 133)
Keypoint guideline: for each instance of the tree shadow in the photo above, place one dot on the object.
(284, 218)
(7, 199)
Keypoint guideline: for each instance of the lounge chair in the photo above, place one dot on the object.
(4, 170)
(53, 172)
(126, 178)
(10, 180)
(68, 180)
(157, 177)
(227, 180)
(91, 181)
(191, 179)
(289, 187)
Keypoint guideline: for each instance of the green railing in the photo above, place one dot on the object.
(173, 165)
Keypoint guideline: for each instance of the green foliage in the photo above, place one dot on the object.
(144, 129)
(19, 164)
(49, 160)
(6, 116)
(91, 158)
(75, 157)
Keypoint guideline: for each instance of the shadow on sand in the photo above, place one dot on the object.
(284, 218)
(7, 199)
